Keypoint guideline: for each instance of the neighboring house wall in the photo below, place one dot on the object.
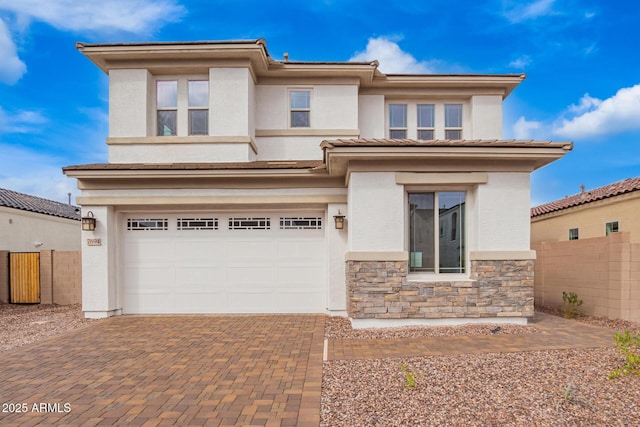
(590, 219)
(20, 231)
(603, 271)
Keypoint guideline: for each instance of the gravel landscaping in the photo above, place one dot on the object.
(541, 388)
(22, 324)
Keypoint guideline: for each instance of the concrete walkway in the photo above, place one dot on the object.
(169, 370)
(556, 334)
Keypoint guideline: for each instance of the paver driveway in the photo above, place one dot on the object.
(170, 370)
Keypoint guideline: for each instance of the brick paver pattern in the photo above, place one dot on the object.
(171, 370)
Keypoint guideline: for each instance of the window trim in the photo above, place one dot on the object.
(575, 236)
(404, 128)
(191, 108)
(292, 110)
(426, 128)
(607, 231)
(453, 128)
(462, 233)
(182, 108)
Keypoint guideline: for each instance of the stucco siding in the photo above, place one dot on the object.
(332, 106)
(376, 212)
(371, 116)
(21, 230)
(503, 213)
(128, 102)
(486, 122)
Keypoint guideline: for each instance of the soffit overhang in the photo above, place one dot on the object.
(264, 174)
(442, 156)
(168, 58)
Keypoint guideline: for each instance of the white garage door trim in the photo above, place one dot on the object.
(238, 262)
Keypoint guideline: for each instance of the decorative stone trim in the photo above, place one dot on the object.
(380, 290)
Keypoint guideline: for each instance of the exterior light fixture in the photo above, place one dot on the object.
(339, 219)
(88, 222)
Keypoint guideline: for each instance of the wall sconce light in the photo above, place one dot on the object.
(339, 219)
(88, 222)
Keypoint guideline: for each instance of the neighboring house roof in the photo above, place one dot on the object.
(367, 142)
(611, 190)
(25, 202)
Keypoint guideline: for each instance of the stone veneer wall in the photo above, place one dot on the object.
(380, 290)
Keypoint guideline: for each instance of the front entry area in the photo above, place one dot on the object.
(230, 262)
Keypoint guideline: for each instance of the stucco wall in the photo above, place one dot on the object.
(590, 219)
(603, 271)
(167, 152)
(486, 122)
(376, 212)
(332, 106)
(129, 98)
(502, 213)
(371, 116)
(229, 101)
(99, 293)
(20, 230)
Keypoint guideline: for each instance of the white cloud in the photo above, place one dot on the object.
(20, 121)
(594, 117)
(392, 59)
(524, 129)
(520, 62)
(11, 66)
(132, 16)
(527, 11)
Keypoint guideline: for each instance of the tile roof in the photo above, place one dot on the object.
(270, 164)
(25, 202)
(368, 142)
(611, 190)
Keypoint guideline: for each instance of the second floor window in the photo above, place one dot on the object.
(574, 234)
(198, 107)
(453, 121)
(188, 99)
(397, 121)
(300, 108)
(167, 107)
(426, 122)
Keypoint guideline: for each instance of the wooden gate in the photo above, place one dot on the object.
(24, 277)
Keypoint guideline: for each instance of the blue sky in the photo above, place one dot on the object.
(580, 57)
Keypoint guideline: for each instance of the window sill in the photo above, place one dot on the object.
(442, 277)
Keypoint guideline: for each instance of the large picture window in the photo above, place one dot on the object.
(437, 232)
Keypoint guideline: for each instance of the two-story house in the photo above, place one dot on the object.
(241, 184)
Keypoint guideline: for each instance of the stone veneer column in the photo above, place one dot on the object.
(380, 290)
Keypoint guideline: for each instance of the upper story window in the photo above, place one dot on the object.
(198, 107)
(453, 121)
(437, 232)
(182, 105)
(426, 121)
(397, 120)
(300, 108)
(167, 107)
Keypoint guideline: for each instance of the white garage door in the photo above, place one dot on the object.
(224, 263)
